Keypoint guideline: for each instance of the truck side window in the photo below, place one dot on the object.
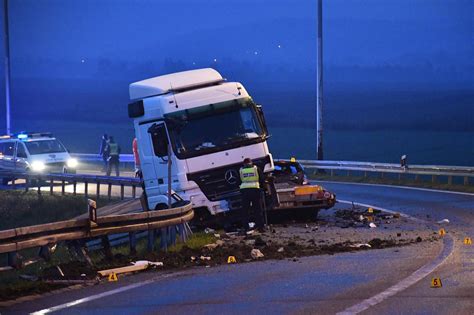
(159, 139)
(20, 151)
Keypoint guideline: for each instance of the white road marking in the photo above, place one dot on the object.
(405, 283)
(103, 294)
(394, 186)
(410, 280)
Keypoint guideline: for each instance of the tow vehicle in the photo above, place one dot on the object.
(205, 126)
(34, 152)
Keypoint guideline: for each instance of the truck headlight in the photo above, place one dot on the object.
(72, 163)
(38, 166)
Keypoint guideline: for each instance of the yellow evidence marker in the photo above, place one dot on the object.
(370, 210)
(467, 241)
(231, 260)
(436, 283)
(442, 232)
(113, 277)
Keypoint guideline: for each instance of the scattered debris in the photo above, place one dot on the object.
(256, 254)
(209, 230)
(60, 271)
(205, 258)
(418, 239)
(280, 250)
(250, 242)
(372, 225)
(217, 235)
(443, 221)
(120, 270)
(360, 245)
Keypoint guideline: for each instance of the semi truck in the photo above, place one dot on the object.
(205, 126)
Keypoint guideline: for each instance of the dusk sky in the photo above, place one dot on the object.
(391, 64)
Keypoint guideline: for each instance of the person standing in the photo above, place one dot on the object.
(251, 177)
(103, 152)
(113, 150)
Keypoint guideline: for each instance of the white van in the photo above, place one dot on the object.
(34, 152)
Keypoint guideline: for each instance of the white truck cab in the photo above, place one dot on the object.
(35, 152)
(211, 124)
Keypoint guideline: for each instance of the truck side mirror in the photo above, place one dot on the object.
(159, 138)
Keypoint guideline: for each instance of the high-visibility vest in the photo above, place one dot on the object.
(249, 177)
(113, 148)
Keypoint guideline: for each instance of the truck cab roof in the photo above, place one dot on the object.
(175, 82)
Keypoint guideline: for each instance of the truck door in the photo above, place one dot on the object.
(159, 143)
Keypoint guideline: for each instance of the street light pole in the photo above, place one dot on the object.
(7, 64)
(319, 82)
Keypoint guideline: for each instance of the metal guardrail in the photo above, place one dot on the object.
(78, 231)
(438, 170)
(52, 180)
(44, 234)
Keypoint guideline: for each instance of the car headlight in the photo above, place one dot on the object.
(72, 163)
(38, 166)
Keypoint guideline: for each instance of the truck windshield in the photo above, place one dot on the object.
(44, 146)
(215, 127)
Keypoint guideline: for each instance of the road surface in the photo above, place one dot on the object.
(312, 285)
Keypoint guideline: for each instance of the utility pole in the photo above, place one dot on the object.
(7, 64)
(319, 82)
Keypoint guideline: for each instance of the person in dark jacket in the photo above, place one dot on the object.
(251, 178)
(103, 152)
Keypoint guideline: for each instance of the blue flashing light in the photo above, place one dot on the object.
(22, 136)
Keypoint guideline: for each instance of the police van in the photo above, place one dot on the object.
(36, 153)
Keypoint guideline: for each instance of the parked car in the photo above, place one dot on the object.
(34, 152)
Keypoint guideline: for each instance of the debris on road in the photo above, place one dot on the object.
(372, 225)
(256, 254)
(209, 231)
(444, 221)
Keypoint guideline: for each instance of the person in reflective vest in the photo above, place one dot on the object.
(113, 150)
(251, 177)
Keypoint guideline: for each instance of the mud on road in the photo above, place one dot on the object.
(341, 229)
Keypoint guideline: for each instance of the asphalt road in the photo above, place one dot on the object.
(319, 284)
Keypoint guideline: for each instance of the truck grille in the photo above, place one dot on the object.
(222, 182)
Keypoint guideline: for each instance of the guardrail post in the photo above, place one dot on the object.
(466, 180)
(365, 174)
(74, 188)
(332, 173)
(109, 192)
(450, 180)
(13, 183)
(51, 186)
(86, 189)
(38, 185)
(164, 239)
(15, 260)
(133, 243)
(348, 173)
(106, 247)
(134, 191)
(417, 178)
(27, 183)
(151, 240)
(97, 191)
(63, 187)
(433, 179)
(122, 192)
